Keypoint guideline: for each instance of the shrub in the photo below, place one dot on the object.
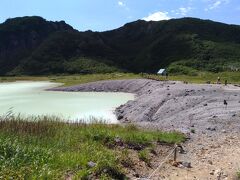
(180, 69)
(144, 156)
(125, 159)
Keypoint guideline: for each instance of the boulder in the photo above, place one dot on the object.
(91, 164)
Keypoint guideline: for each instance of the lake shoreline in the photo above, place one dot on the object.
(31, 98)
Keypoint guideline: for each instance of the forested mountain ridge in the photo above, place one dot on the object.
(32, 45)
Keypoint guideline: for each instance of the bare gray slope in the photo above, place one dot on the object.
(170, 105)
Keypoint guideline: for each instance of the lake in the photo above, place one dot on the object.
(30, 98)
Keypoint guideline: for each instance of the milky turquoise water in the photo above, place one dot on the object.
(30, 98)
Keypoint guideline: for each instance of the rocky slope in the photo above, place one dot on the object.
(170, 105)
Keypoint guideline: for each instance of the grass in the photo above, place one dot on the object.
(125, 159)
(144, 156)
(203, 77)
(238, 175)
(80, 79)
(69, 80)
(46, 148)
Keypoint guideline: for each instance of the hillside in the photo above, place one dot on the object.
(32, 45)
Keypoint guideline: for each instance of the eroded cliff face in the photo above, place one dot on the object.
(19, 36)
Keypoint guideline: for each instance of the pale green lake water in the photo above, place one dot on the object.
(30, 98)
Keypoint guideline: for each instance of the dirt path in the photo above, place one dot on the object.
(212, 156)
(197, 110)
(214, 152)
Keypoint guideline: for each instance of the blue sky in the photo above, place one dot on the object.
(100, 15)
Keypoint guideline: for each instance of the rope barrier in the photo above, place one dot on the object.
(160, 164)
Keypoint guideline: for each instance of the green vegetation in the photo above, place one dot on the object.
(193, 67)
(69, 80)
(80, 79)
(201, 77)
(34, 46)
(144, 156)
(88, 65)
(46, 148)
(125, 159)
(74, 66)
(26, 34)
(179, 69)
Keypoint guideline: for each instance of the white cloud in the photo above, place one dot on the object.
(214, 4)
(184, 10)
(157, 16)
(123, 5)
(120, 3)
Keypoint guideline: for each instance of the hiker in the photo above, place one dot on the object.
(218, 80)
(225, 103)
(166, 75)
(225, 82)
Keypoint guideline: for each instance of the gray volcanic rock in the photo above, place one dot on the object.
(164, 105)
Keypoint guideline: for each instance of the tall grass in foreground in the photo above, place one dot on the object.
(45, 147)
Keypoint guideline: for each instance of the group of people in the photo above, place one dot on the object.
(219, 81)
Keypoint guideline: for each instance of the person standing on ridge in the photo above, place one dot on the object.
(225, 103)
(218, 80)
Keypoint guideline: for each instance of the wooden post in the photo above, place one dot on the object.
(175, 154)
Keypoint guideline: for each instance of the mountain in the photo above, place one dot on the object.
(32, 45)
